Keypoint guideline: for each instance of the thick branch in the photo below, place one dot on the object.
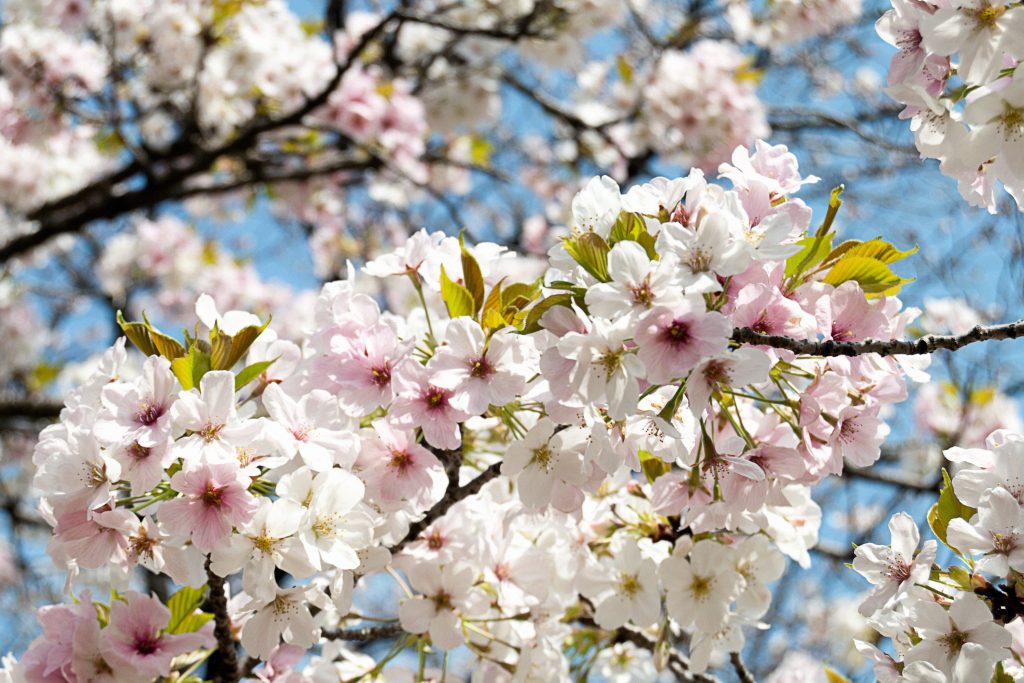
(223, 666)
(95, 202)
(924, 345)
(29, 409)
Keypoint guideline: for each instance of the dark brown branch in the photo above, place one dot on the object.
(678, 663)
(364, 635)
(893, 479)
(246, 668)
(924, 345)
(523, 28)
(29, 409)
(451, 497)
(223, 664)
(742, 672)
(95, 201)
(805, 120)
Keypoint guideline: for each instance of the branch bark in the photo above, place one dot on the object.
(742, 672)
(924, 345)
(363, 635)
(223, 664)
(451, 497)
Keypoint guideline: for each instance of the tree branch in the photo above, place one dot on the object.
(742, 672)
(451, 498)
(677, 661)
(223, 666)
(924, 345)
(363, 635)
(29, 408)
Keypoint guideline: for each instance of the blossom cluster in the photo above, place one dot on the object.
(962, 622)
(957, 73)
(540, 466)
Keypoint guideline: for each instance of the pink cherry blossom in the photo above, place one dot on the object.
(214, 499)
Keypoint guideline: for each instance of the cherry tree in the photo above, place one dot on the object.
(588, 423)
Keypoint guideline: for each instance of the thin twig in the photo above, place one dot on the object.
(363, 635)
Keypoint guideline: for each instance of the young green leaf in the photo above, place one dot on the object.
(947, 509)
(457, 299)
(590, 251)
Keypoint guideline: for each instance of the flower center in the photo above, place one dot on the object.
(848, 431)
(210, 432)
(137, 451)
(142, 545)
(987, 17)
(630, 585)
(700, 261)
(149, 413)
(481, 368)
(610, 361)
(380, 377)
(400, 460)
(323, 527)
(436, 398)
(442, 600)
(435, 541)
(146, 645)
(700, 586)
(642, 293)
(897, 569)
(542, 457)
(953, 641)
(678, 333)
(1004, 544)
(213, 496)
(716, 371)
(1011, 124)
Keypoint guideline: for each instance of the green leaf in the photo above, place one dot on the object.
(873, 276)
(473, 278)
(138, 334)
(880, 250)
(947, 509)
(226, 350)
(814, 250)
(624, 69)
(961, 576)
(1000, 675)
(480, 150)
(150, 340)
(537, 311)
(189, 369)
(168, 347)
(251, 372)
(182, 605)
(457, 299)
(491, 318)
(590, 251)
(653, 466)
(41, 375)
(518, 295)
(834, 202)
(632, 227)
